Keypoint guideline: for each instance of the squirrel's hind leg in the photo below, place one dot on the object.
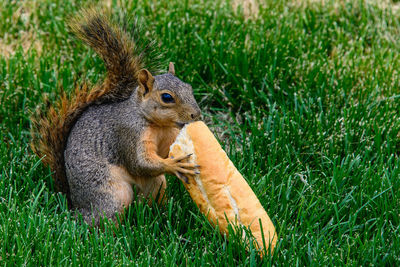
(149, 188)
(152, 189)
(101, 190)
(106, 190)
(117, 194)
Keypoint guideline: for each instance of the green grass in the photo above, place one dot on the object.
(305, 99)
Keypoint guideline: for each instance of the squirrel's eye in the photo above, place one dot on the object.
(167, 98)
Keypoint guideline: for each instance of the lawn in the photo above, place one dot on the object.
(304, 96)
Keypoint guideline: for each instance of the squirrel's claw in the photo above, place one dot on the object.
(187, 165)
(186, 171)
(182, 177)
(181, 168)
(178, 159)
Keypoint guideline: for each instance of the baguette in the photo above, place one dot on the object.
(220, 191)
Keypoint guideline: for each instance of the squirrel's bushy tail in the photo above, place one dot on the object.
(114, 45)
(123, 60)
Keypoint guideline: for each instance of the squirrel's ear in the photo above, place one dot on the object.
(146, 81)
(171, 68)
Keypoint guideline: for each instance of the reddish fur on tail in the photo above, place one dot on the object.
(50, 130)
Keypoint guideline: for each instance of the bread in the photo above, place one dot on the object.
(220, 191)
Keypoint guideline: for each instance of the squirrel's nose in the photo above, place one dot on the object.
(195, 115)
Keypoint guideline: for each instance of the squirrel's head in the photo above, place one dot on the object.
(165, 100)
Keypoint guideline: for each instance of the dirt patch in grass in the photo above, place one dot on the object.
(380, 3)
(250, 7)
(26, 37)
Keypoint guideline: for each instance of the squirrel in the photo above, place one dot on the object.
(103, 141)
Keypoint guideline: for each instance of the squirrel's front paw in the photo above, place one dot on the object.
(180, 168)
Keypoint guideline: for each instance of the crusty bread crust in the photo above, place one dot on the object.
(220, 191)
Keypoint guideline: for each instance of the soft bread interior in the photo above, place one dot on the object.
(183, 145)
(220, 191)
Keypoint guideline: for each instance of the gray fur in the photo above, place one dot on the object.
(111, 134)
(181, 89)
